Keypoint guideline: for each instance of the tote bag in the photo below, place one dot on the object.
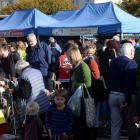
(89, 107)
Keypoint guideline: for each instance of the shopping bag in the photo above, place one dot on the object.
(75, 101)
(89, 107)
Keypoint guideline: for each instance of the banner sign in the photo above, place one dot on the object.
(132, 36)
(74, 31)
(12, 33)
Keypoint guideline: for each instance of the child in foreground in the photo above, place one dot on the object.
(32, 124)
(59, 117)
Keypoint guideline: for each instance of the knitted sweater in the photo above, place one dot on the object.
(81, 74)
(59, 121)
(122, 76)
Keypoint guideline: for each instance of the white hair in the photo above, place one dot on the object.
(31, 35)
(52, 40)
(127, 49)
(21, 64)
(32, 108)
(116, 38)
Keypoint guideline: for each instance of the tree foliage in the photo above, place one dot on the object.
(131, 6)
(46, 6)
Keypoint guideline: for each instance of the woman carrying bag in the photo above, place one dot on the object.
(81, 75)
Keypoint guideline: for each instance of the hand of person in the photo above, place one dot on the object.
(10, 90)
(65, 136)
(123, 105)
(136, 119)
(47, 92)
(50, 133)
(2, 83)
(14, 79)
(71, 137)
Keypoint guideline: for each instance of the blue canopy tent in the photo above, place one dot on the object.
(62, 15)
(107, 17)
(23, 22)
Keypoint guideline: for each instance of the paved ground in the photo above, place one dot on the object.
(122, 138)
(11, 137)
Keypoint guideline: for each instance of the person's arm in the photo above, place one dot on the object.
(136, 116)
(94, 69)
(48, 54)
(70, 119)
(27, 56)
(50, 133)
(58, 48)
(130, 80)
(13, 58)
(137, 110)
(48, 125)
(86, 75)
(16, 57)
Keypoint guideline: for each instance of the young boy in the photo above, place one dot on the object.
(59, 117)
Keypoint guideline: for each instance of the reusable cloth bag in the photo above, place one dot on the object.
(89, 107)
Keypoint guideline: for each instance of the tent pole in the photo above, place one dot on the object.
(122, 36)
(38, 40)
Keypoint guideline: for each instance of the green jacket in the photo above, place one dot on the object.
(81, 74)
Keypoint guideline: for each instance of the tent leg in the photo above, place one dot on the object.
(122, 36)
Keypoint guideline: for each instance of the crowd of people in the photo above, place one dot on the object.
(99, 86)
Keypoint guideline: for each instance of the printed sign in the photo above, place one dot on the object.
(12, 33)
(74, 31)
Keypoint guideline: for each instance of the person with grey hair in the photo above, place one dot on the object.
(116, 38)
(122, 84)
(128, 50)
(30, 88)
(39, 57)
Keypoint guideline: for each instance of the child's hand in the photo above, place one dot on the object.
(71, 137)
(47, 92)
(10, 90)
(65, 136)
(50, 133)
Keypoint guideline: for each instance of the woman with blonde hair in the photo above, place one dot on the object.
(81, 75)
(21, 47)
(81, 72)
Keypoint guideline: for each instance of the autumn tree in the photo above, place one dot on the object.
(131, 6)
(46, 6)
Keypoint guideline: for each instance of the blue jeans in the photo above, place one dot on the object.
(115, 100)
